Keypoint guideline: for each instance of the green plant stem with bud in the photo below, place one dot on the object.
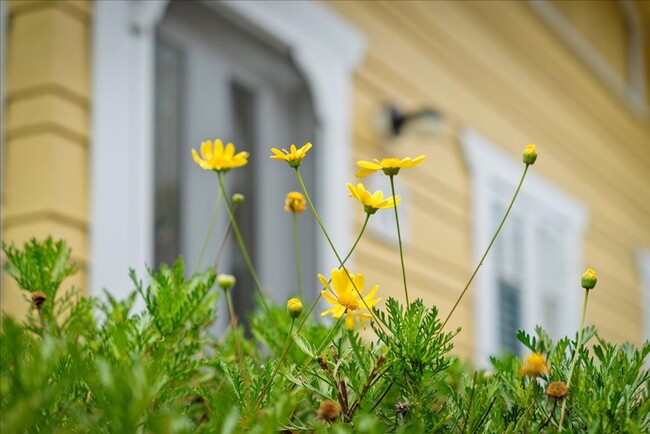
(240, 242)
(338, 257)
(575, 357)
(296, 239)
(399, 239)
(514, 197)
(208, 235)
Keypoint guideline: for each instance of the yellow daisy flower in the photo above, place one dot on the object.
(390, 166)
(346, 299)
(371, 202)
(295, 202)
(216, 157)
(294, 158)
(534, 366)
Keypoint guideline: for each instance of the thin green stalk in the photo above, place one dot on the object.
(213, 220)
(399, 239)
(233, 327)
(285, 350)
(222, 246)
(240, 241)
(296, 238)
(575, 356)
(338, 257)
(327, 340)
(488, 248)
(313, 306)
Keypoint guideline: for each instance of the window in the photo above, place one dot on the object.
(325, 49)
(216, 80)
(529, 276)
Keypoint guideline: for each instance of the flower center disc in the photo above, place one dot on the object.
(349, 301)
(390, 162)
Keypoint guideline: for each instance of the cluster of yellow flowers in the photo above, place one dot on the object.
(345, 293)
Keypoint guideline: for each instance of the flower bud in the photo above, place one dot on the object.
(557, 390)
(237, 198)
(226, 281)
(38, 298)
(294, 307)
(329, 411)
(589, 279)
(534, 366)
(295, 202)
(530, 154)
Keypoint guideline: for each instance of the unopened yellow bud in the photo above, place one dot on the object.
(294, 307)
(237, 198)
(226, 281)
(295, 202)
(530, 154)
(534, 366)
(589, 279)
(557, 390)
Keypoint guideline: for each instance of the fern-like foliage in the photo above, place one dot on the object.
(417, 350)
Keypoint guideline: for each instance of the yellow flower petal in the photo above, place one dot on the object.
(326, 295)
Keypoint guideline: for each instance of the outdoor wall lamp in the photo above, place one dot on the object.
(422, 122)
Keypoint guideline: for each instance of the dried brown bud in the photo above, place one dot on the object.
(38, 298)
(329, 411)
(557, 390)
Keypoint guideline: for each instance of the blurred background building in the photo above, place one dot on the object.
(103, 100)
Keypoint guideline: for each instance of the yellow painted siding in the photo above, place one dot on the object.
(495, 66)
(602, 24)
(46, 131)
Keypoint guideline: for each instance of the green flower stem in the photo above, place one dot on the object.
(296, 238)
(222, 246)
(233, 326)
(338, 257)
(213, 220)
(313, 306)
(521, 181)
(240, 241)
(326, 341)
(575, 356)
(285, 350)
(399, 239)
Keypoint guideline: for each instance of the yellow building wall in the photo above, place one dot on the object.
(495, 66)
(46, 131)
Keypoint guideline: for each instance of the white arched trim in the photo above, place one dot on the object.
(324, 46)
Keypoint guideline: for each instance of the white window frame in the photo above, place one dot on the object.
(489, 165)
(326, 49)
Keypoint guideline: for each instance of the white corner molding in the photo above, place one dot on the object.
(325, 48)
(489, 166)
(631, 89)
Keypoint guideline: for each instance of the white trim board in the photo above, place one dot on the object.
(630, 89)
(538, 197)
(325, 48)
